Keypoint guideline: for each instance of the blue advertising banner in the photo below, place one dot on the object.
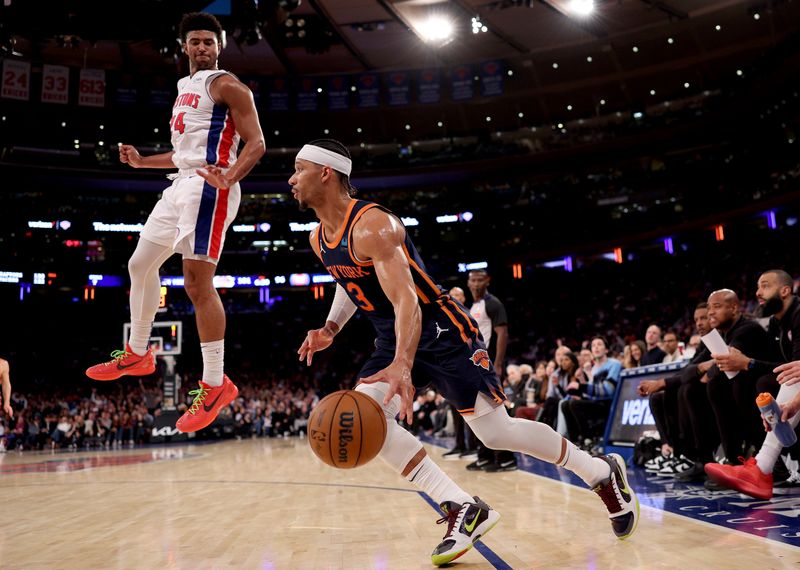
(127, 93)
(307, 94)
(339, 93)
(461, 83)
(161, 94)
(492, 73)
(278, 96)
(429, 86)
(369, 90)
(399, 86)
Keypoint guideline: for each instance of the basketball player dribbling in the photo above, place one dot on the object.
(212, 112)
(424, 334)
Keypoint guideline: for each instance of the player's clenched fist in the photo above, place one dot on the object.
(129, 155)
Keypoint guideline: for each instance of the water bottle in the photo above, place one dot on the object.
(771, 412)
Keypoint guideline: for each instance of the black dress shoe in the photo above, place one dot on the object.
(695, 474)
(710, 485)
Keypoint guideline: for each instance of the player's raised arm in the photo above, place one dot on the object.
(380, 237)
(239, 99)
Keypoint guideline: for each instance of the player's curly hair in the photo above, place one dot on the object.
(199, 21)
(337, 147)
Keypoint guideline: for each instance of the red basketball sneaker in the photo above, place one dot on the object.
(208, 401)
(747, 478)
(124, 362)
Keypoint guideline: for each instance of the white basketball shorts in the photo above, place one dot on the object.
(192, 217)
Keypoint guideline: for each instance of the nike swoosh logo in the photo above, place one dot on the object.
(471, 526)
(622, 487)
(211, 407)
(124, 366)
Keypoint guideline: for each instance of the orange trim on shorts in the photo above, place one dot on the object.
(340, 233)
(421, 294)
(455, 322)
(497, 398)
(350, 251)
(466, 316)
(466, 411)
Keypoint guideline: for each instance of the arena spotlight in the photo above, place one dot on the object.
(436, 30)
(581, 7)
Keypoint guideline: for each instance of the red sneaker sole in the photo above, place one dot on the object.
(117, 374)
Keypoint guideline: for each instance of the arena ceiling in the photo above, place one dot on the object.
(275, 37)
(628, 56)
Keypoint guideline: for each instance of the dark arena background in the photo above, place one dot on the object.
(609, 163)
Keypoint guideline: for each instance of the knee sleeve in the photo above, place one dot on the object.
(497, 430)
(143, 267)
(400, 446)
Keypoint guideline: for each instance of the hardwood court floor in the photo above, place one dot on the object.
(272, 504)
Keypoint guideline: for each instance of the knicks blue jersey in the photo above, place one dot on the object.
(450, 353)
(359, 279)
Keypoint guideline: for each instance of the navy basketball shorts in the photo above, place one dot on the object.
(450, 358)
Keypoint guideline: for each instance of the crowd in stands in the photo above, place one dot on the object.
(702, 417)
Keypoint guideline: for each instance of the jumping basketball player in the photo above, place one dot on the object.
(213, 111)
(423, 333)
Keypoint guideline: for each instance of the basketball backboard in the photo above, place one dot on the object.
(165, 338)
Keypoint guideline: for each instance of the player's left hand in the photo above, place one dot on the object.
(214, 176)
(8, 410)
(734, 361)
(398, 376)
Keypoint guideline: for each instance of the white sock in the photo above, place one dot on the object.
(428, 477)
(139, 337)
(768, 454)
(213, 361)
(591, 469)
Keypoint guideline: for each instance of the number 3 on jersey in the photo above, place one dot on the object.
(362, 301)
(176, 123)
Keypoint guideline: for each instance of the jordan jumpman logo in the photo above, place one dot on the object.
(439, 330)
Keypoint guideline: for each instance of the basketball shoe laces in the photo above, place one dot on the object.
(451, 518)
(611, 496)
(199, 397)
(116, 356)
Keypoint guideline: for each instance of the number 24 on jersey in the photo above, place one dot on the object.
(176, 123)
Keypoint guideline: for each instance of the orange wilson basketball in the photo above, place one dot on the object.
(347, 429)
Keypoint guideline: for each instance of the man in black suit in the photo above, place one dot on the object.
(733, 399)
(684, 432)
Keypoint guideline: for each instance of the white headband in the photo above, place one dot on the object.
(325, 157)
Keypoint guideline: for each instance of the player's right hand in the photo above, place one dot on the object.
(398, 376)
(129, 155)
(8, 410)
(316, 340)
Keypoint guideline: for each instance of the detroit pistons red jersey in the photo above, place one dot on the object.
(203, 131)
